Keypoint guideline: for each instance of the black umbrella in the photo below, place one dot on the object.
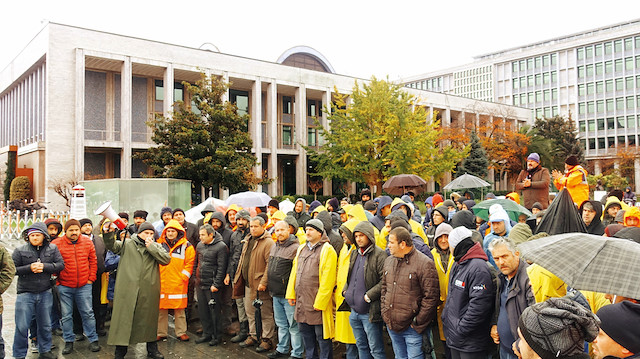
(399, 184)
(211, 302)
(562, 217)
(257, 303)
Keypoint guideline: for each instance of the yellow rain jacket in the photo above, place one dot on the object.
(575, 180)
(343, 331)
(443, 278)
(545, 284)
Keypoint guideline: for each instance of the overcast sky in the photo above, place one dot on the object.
(359, 38)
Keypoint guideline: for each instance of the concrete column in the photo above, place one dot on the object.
(636, 174)
(463, 119)
(301, 138)
(272, 125)
(167, 104)
(79, 103)
(256, 124)
(430, 118)
(125, 117)
(326, 102)
(446, 119)
(225, 77)
(597, 169)
(431, 185)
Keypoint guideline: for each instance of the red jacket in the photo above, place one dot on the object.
(80, 262)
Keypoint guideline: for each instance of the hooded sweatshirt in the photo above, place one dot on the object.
(335, 239)
(606, 218)
(415, 226)
(224, 231)
(632, 212)
(378, 220)
(302, 217)
(431, 231)
(596, 226)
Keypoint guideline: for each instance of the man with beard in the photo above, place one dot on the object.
(235, 249)
(591, 212)
(218, 223)
(534, 183)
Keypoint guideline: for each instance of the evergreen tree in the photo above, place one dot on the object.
(10, 174)
(476, 163)
(210, 146)
(564, 140)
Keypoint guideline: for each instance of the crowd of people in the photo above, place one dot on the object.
(447, 285)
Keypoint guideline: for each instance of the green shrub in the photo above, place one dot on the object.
(20, 188)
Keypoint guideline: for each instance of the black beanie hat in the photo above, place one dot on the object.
(85, 221)
(620, 322)
(177, 210)
(274, 203)
(140, 214)
(145, 227)
(572, 161)
(124, 215)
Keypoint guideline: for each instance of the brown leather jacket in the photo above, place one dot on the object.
(258, 264)
(410, 292)
(539, 189)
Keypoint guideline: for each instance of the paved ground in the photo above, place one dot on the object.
(171, 348)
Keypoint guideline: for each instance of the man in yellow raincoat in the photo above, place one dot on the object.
(310, 288)
(343, 331)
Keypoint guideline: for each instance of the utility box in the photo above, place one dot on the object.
(129, 195)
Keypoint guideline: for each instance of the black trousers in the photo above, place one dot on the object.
(210, 318)
(315, 346)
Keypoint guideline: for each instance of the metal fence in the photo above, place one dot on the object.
(12, 223)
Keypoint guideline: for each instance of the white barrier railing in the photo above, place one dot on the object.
(12, 223)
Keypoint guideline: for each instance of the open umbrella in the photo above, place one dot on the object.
(466, 181)
(513, 209)
(589, 262)
(399, 184)
(561, 216)
(249, 199)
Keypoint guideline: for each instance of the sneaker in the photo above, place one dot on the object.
(95, 346)
(68, 348)
(34, 346)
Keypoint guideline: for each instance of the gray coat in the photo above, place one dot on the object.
(136, 299)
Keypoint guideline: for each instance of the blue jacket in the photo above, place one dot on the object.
(46, 253)
(468, 311)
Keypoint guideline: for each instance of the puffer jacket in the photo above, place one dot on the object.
(280, 263)
(373, 272)
(467, 314)
(174, 277)
(47, 253)
(80, 261)
(211, 263)
(410, 292)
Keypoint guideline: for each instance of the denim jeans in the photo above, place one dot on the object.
(368, 336)
(312, 335)
(407, 344)
(30, 306)
(83, 299)
(288, 331)
(506, 353)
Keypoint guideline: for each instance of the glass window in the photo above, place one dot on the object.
(620, 104)
(608, 48)
(554, 77)
(589, 71)
(592, 125)
(516, 100)
(628, 83)
(312, 136)
(523, 82)
(637, 62)
(630, 103)
(538, 96)
(582, 126)
(581, 108)
(581, 90)
(554, 59)
(628, 64)
(580, 53)
(529, 64)
(286, 104)
(638, 81)
(628, 44)
(554, 94)
(601, 124)
(618, 65)
(583, 143)
(530, 80)
(592, 143)
(632, 140)
(547, 112)
(514, 66)
(617, 46)
(545, 78)
(610, 105)
(547, 95)
(620, 122)
(538, 79)
(590, 107)
(530, 95)
(523, 99)
(159, 84)
(539, 113)
(619, 84)
(287, 135)
(580, 72)
(599, 87)
(609, 85)
(522, 65)
(631, 121)
(600, 106)
(611, 142)
(545, 60)
(588, 52)
(241, 100)
(637, 42)
(590, 88)
(608, 67)
(599, 68)
(515, 83)
(598, 49)
(538, 62)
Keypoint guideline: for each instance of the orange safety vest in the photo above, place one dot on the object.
(174, 277)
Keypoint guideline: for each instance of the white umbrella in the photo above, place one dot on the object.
(249, 199)
(286, 206)
(193, 215)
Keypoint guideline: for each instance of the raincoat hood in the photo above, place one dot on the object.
(220, 217)
(279, 215)
(429, 201)
(175, 225)
(357, 211)
(348, 227)
(291, 221)
(319, 209)
(612, 200)
(39, 227)
(406, 198)
(469, 203)
(325, 218)
(55, 222)
(597, 206)
(443, 211)
(520, 233)
(312, 206)
(398, 214)
(383, 201)
(632, 212)
(464, 218)
(366, 228)
(514, 196)
(437, 199)
(501, 215)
